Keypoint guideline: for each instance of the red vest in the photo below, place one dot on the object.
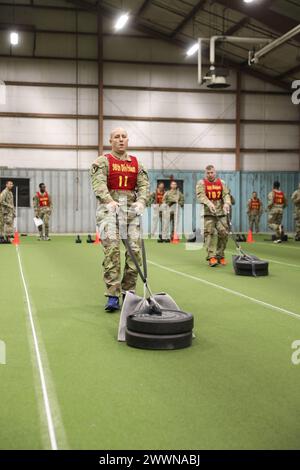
(278, 197)
(122, 174)
(213, 189)
(254, 204)
(159, 197)
(43, 199)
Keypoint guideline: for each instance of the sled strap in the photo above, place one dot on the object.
(144, 259)
(123, 235)
(134, 259)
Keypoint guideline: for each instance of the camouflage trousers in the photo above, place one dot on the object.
(297, 222)
(44, 215)
(8, 224)
(157, 220)
(254, 222)
(111, 231)
(169, 222)
(274, 221)
(1, 223)
(215, 235)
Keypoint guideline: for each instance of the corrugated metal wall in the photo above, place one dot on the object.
(74, 202)
(241, 184)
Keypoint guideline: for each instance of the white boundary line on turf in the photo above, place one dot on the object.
(50, 424)
(230, 291)
(283, 245)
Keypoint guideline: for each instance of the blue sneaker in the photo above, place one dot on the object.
(112, 304)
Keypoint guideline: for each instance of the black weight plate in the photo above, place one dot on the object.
(143, 341)
(170, 322)
(244, 267)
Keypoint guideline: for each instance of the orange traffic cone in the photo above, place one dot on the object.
(250, 237)
(98, 239)
(16, 240)
(175, 239)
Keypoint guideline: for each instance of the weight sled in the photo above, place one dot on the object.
(246, 265)
(144, 341)
(157, 315)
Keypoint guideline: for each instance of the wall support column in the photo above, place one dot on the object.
(238, 122)
(100, 80)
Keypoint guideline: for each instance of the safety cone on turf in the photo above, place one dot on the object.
(250, 237)
(175, 239)
(98, 239)
(16, 240)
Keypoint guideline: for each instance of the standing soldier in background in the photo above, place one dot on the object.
(156, 199)
(214, 194)
(8, 210)
(42, 205)
(121, 185)
(254, 211)
(1, 226)
(276, 204)
(171, 200)
(296, 201)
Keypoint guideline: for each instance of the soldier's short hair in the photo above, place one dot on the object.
(9, 181)
(209, 167)
(41, 184)
(276, 185)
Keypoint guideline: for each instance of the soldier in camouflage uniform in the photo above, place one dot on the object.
(172, 200)
(156, 201)
(254, 211)
(276, 204)
(214, 194)
(1, 226)
(8, 210)
(296, 201)
(42, 205)
(121, 185)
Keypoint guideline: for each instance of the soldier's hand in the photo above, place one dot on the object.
(226, 208)
(137, 207)
(112, 206)
(212, 207)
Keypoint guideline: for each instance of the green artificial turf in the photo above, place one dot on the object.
(235, 388)
(20, 424)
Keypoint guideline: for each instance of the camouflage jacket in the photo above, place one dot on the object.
(296, 198)
(173, 196)
(152, 198)
(275, 207)
(99, 173)
(254, 211)
(7, 201)
(36, 205)
(203, 199)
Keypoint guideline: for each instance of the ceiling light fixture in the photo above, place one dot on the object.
(192, 49)
(14, 38)
(122, 20)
